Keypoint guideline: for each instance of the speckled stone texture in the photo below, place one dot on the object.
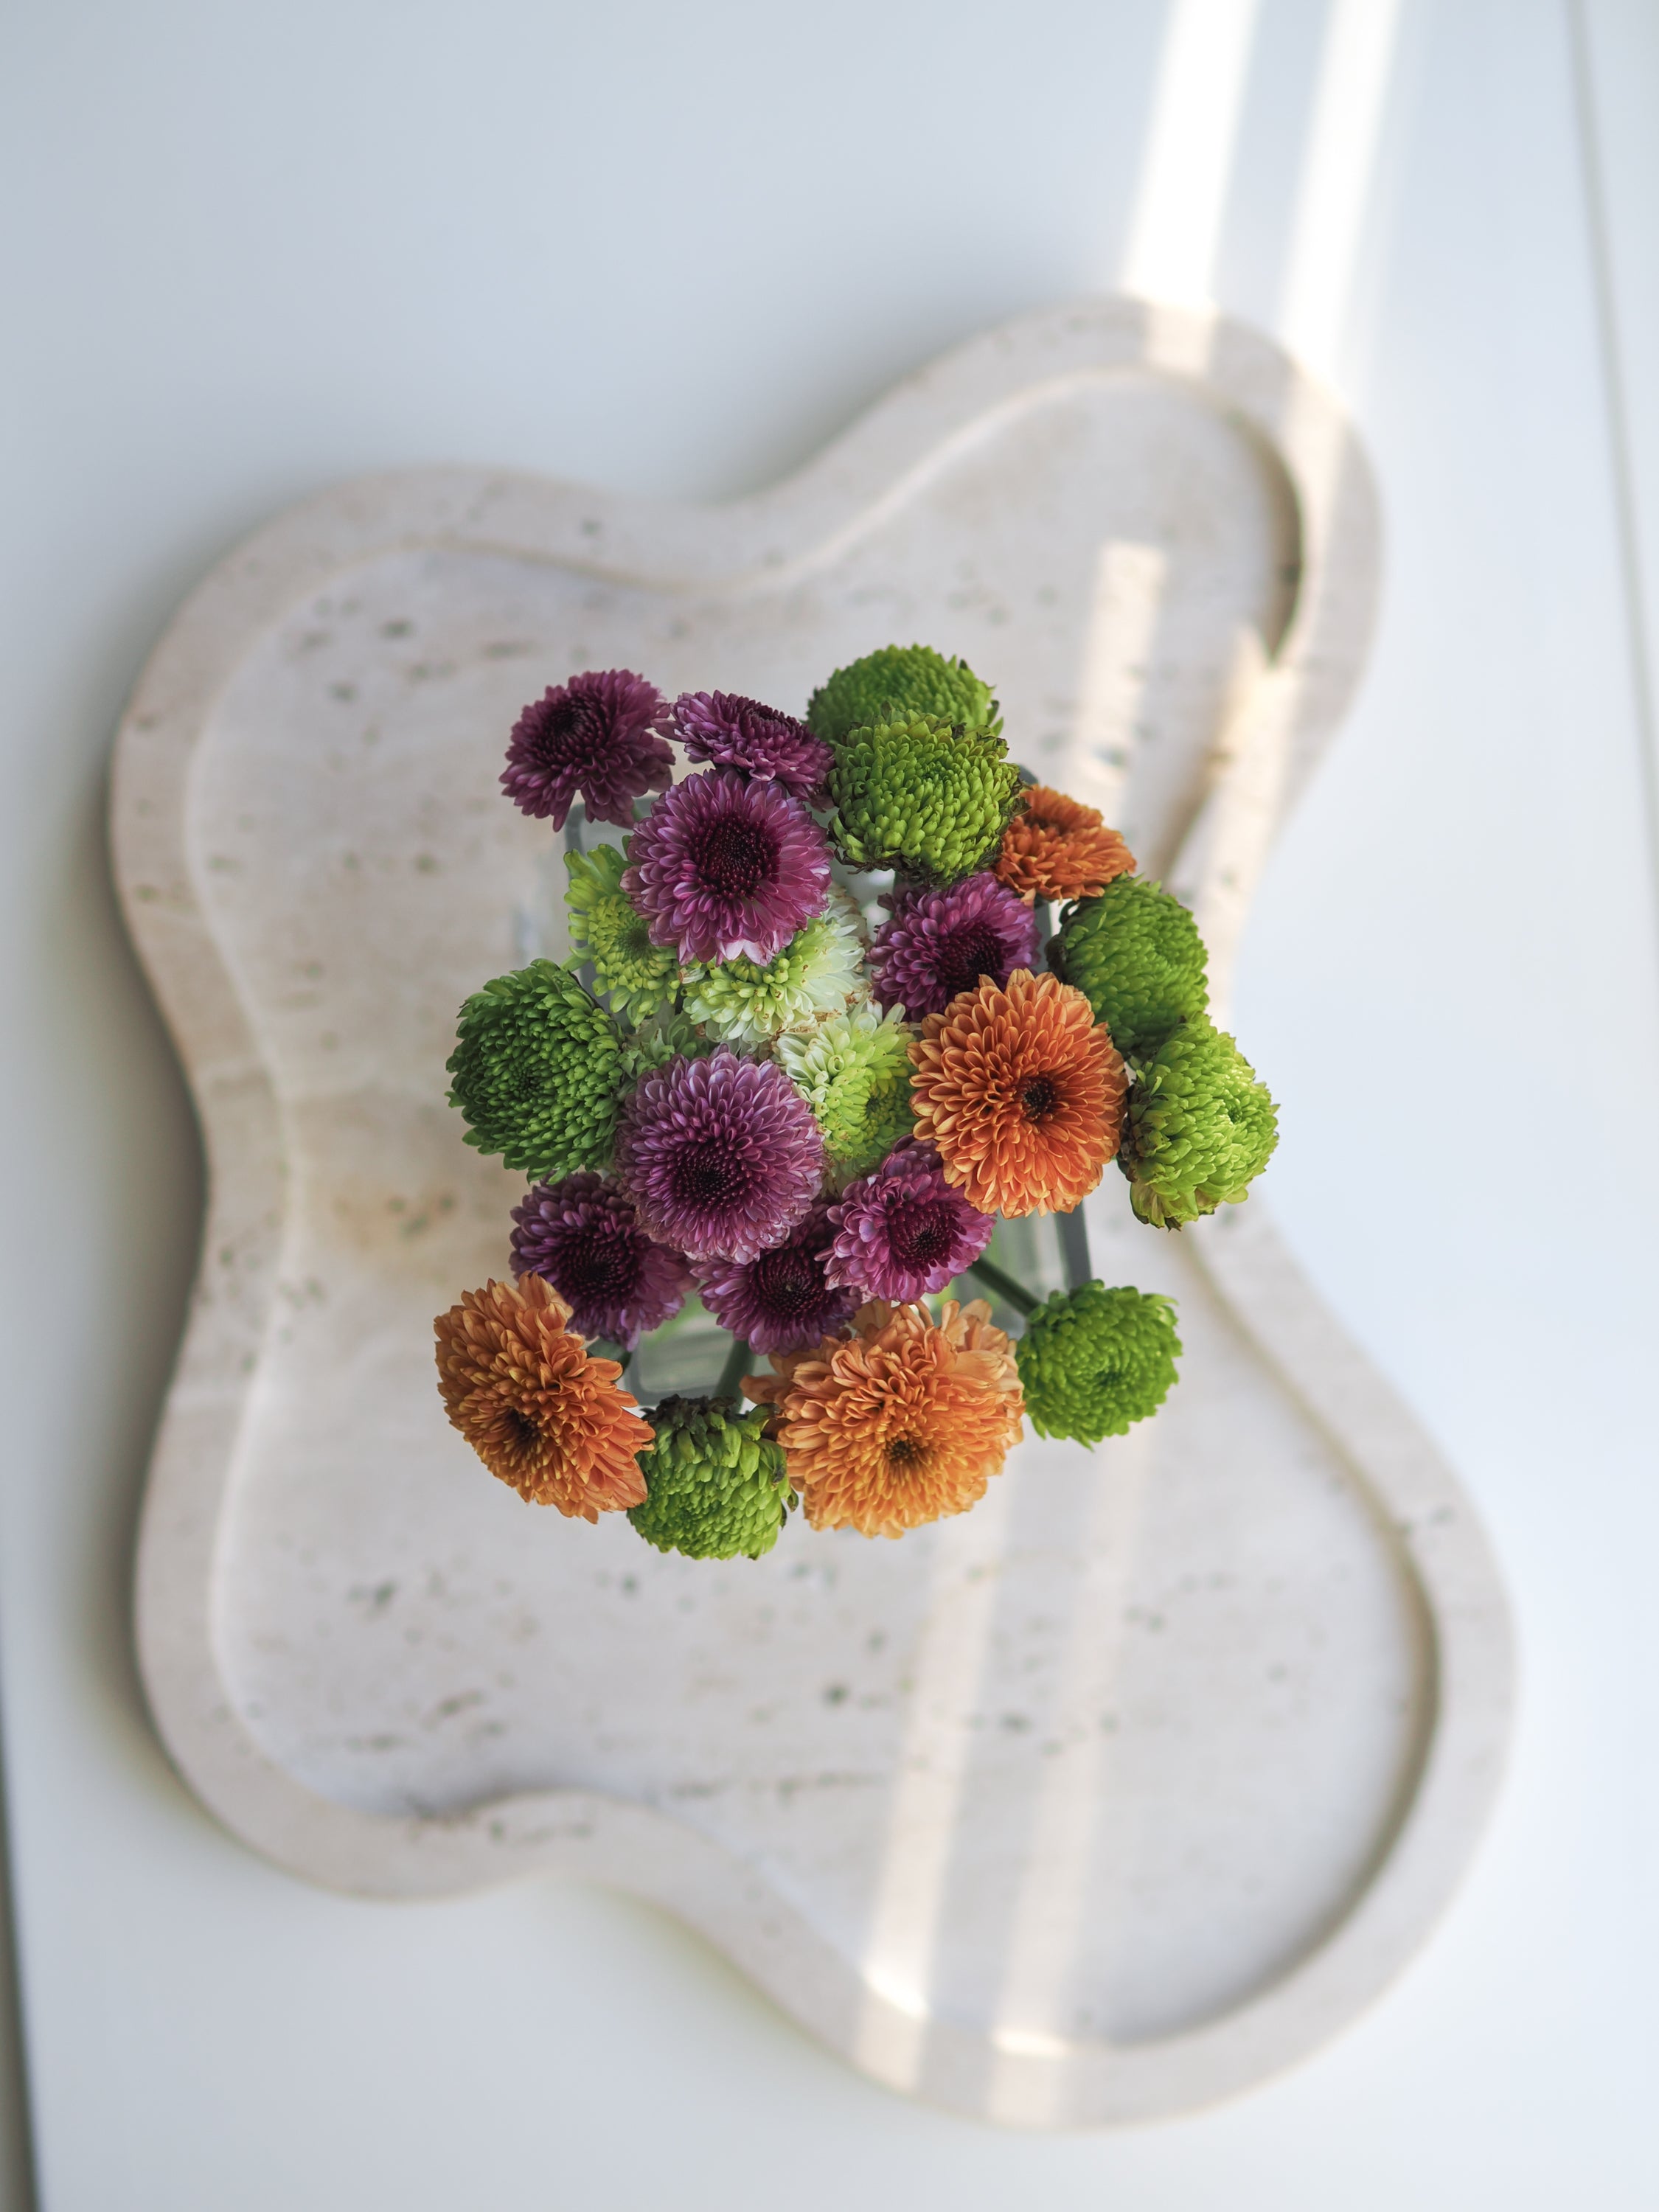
(1105, 1801)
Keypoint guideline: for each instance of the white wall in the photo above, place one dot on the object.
(254, 248)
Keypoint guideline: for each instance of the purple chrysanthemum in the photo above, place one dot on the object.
(721, 1157)
(721, 866)
(901, 1231)
(782, 1301)
(939, 942)
(600, 734)
(732, 731)
(585, 1237)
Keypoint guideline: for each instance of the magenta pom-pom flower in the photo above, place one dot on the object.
(722, 865)
(902, 1232)
(783, 1301)
(732, 731)
(599, 735)
(721, 1157)
(584, 1237)
(939, 942)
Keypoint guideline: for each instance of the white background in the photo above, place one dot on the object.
(253, 246)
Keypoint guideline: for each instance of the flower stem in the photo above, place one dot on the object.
(1074, 1249)
(1011, 1293)
(732, 1373)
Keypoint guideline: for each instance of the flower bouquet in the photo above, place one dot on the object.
(809, 1047)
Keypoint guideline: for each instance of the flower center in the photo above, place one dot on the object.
(788, 1281)
(905, 1452)
(599, 1268)
(524, 1436)
(734, 857)
(966, 954)
(574, 732)
(1039, 1097)
(919, 1233)
(705, 1173)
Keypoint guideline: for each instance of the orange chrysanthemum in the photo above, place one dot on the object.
(1057, 849)
(902, 1422)
(1021, 1089)
(540, 1413)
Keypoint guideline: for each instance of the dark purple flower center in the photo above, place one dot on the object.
(599, 1267)
(788, 1281)
(905, 1451)
(705, 1172)
(1039, 1097)
(921, 1232)
(734, 857)
(572, 731)
(966, 954)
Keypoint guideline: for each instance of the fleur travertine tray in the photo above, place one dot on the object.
(1105, 1801)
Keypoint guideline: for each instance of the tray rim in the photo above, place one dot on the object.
(1288, 714)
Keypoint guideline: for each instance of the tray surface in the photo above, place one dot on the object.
(1103, 1801)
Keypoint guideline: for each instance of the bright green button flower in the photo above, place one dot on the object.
(819, 969)
(537, 1071)
(1198, 1129)
(854, 1073)
(923, 796)
(637, 976)
(898, 681)
(715, 1484)
(1135, 954)
(1092, 1362)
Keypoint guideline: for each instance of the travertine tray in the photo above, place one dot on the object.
(1105, 1801)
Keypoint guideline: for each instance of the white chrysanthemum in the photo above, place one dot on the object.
(853, 1071)
(817, 973)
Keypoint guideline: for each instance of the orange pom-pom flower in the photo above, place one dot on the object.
(1022, 1092)
(1057, 849)
(540, 1414)
(901, 1422)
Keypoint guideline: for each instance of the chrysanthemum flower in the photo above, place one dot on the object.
(1199, 1129)
(541, 1415)
(902, 1232)
(667, 1035)
(917, 795)
(599, 734)
(939, 942)
(732, 731)
(854, 1072)
(897, 681)
(1057, 849)
(637, 976)
(1135, 954)
(715, 1484)
(583, 1237)
(537, 1070)
(1022, 1092)
(782, 1300)
(816, 974)
(721, 1157)
(1095, 1361)
(900, 1422)
(721, 866)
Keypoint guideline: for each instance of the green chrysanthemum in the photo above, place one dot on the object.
(1135, 954)
(636, 976)
(816, 974)
(715, 1484)
(898, 681)
(666, 1037)
(854, 1073)
(1092, 1362)
(537, 1070)
(919, 795)
(1199, 1127)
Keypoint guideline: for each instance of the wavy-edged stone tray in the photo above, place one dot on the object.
(1104, 1800)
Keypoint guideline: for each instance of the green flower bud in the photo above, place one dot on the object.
(1198, 1129)
(1135, 954)
(715, 1484)
(537, 1070)
(1092, 1362)
(899, 681)
(637, 976)
(921, 796)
